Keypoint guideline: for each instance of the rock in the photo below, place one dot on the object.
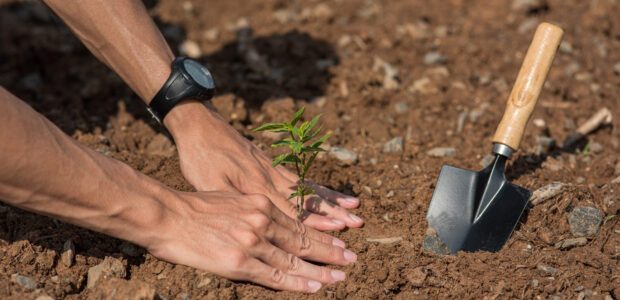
(540, 123)
(617, 168)
(435, 245)
(424, 86)
(596, 147)
(552, 164)
(385, 240)
(528, 25)
(344, 40)
(487, 160)
(527, 5)
(580, 180)
(110, 267)
(546, 192)
(401, 107)
(285, 16)
(617, 68)
(390, 78)
(204, 281)
(367, 190)
(441, 152)
(570, 243)
(418, 30)
(115, 288)
(343, 155)
(616, 180)
(190, 48)
(211, 35)
(566, 47)
(584, 221)
(393, 146)
(549, 270)
(543, 144)
(160, 145)
(417, 276)
(26, 282)
(44, 297)
(432, 58)
(68, 253)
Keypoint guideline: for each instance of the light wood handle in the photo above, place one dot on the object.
(527, 87)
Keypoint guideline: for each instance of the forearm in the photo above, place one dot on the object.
(47, 172)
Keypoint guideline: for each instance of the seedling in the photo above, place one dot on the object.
(586, 150)
(303, 150)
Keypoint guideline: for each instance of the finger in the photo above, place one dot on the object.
(321, 206)
(292, 224)
(300, 245)
(279, 280)
(293, 265)
(335, 197)
(311, 219)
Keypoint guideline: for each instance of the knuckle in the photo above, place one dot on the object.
(261, 202)
(237, 259)
(304, 243)
(294, 263)
(248, 238)
(277, 276)
(261, 222)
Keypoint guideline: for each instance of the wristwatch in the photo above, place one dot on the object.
(188, 79)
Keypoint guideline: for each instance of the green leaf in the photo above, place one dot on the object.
(296, 146)
(293, 195)
(608, 218)
(309, 162)
(270, 127)
(313, 122)
(298, 115)
(284, 142)
(295, 131)
(308, 192)
(309, 137)
(312, 149)
(302, 129)
(284, 158)
(320, 141)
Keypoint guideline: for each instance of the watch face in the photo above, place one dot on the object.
(199, 73)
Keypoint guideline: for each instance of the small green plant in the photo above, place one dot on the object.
(586, 150)
(303, 150)
(608, 218)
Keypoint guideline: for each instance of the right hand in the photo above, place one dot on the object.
(246, 237)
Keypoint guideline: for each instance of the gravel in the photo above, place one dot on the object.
(617, 68)
(543, 144)
(584, 221)
(432, 58)
(435, 245)
(546, 192)
(417, 276)
(596, 147)
(110, 267)
(441, 152)
(401, 107)
(570, 243)
(26, 282)
(389, 240)
(394, 145)
(343, 155)
(549, 270)
(190, 48)
(68, 253)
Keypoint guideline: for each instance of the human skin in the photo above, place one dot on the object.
(235, 226)
(213, 156)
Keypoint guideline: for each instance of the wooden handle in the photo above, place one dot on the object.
(528, 85)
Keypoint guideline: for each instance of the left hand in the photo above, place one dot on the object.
(214, 156)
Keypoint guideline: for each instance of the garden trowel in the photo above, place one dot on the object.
(473, 211)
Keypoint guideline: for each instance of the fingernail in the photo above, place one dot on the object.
(350, 256)
(338, 222)
(338, 243)
(338, 275)
(314, 285)
(351, 199)
(355, 218)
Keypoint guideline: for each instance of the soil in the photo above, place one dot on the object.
(322, 55)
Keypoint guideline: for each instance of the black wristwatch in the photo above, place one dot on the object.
(188, 79)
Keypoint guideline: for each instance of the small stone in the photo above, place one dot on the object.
(190, 48)
(435, 245)
(528, 25)
(343, 155)
(441, 152)
(211, 35)
(367, 190)
(584, 221)
(284, 16)
(68, 253)
(32, 80)
(417, 276)
(552, 164)
(570, 243)
(617, 68)
(160, 145)
(566, 47)
(487, 160)
(54, 279)
(424, 86)
(430, 231)
(185, 296)
(26, 282)
(526, 5)
(543, 144)
(319, 101)
(390, 79)
(580, 180)
(204, 282)
(390, 194)
(546, 192)
(549, 270)
(540, 123)
(418, 30)
(110, 267)
(534, 283)
(389, 240)
(432, 58)
(393, 146)
(401, 107)
(617, 168)
(44, 297)
(344, 40)
(596, 147)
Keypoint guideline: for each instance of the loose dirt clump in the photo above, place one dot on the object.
(445, 71)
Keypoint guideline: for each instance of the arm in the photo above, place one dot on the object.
(236, 236)
(213, 155)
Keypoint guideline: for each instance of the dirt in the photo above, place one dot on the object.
(322, 54)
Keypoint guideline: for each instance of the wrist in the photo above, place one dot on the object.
(187, 117)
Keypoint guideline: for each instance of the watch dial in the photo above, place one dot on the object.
(199, 73)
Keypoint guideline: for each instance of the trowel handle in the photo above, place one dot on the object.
(528, 85)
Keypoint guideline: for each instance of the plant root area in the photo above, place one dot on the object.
(395, 79)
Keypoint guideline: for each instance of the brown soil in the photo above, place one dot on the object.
(483, 43)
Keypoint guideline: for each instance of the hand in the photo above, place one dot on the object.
(214, 156)
(245, 237)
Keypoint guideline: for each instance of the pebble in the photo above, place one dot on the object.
(110, 267)
(394, 145)
(390, 79)
(432, 58)
(203, 282)
(617, 68)
(68, 253)
(534, 283)
(190, 48)
(580, 180)
(528, 25)
(441, 152)
(26, 282)
(487, 160)
(584, 221)
(44, 297)
(343, 155)
(543, 144)
(525, 5)
(367, 190)
(436, 245)
(417, 276)
(566, 47)
(549, 270)
(211, 35)
(570, 243)
(596, 147)
(546, 192)
(389, 240)
(401, 107)
(617, 168)
(424, 86)
(540, 123)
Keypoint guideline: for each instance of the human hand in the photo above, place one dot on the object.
(245, 237)
(214, 156)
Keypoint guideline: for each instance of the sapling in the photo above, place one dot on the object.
(303, 150)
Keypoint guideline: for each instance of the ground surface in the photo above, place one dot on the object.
(330, 56)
